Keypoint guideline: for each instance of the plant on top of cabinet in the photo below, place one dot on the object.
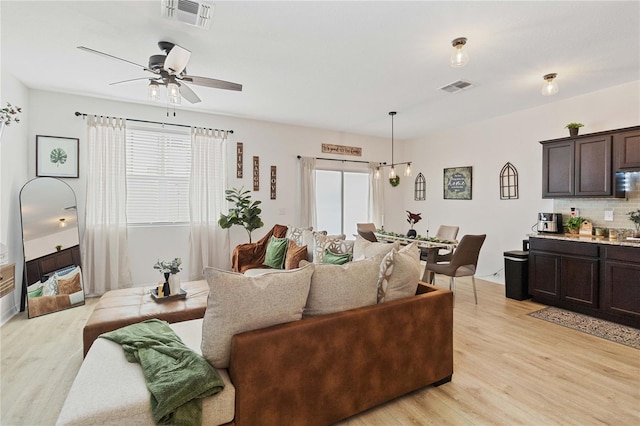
(573, 128)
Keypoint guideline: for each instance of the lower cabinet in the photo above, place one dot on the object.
(596, 279)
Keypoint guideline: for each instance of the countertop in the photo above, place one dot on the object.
(588, 239)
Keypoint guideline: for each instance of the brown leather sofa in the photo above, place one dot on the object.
(251, 255)
(323, 369)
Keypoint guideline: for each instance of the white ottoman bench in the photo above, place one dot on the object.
(108, 390)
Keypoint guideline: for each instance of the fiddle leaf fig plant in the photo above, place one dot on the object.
(244, 212)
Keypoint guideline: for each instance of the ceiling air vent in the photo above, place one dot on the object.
(197, 13)
(457, 86)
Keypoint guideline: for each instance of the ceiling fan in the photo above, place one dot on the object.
(170, 70)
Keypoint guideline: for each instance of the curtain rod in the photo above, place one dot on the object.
(344, 161)
(78, 114)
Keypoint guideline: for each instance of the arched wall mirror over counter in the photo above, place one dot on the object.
(53, 276)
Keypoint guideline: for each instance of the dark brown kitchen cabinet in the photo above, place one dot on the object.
(589, 166)
(601, 280)
(621, 287)
(627, 149)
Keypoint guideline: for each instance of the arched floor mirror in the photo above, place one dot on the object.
(53, 274)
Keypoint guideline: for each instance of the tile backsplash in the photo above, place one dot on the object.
(594, 208)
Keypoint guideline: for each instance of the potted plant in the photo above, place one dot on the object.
(573, 128)
(244, 212)
(573, 224)
(58, 247)
(634, 217)
(412, 218)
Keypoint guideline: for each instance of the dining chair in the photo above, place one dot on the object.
(450, 233)
(366, 231)
(464, 262)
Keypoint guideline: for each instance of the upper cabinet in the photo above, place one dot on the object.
(627, 149)
(589, 166)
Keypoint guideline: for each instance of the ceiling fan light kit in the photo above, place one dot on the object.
(170, 70)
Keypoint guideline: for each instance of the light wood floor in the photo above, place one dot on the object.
(509, 369)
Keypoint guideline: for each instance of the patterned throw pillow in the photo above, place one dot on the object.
(50, 287)
(237, 304)
(297, 234)
(334, 245)
(363, 249)
(276, 252)
(295, 254)
(399, 274)
(70, 285)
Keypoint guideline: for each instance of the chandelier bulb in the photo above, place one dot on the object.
(392, 173)
(407, 170)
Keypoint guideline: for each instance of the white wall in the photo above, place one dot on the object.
(487, 146)
(276, 144)
(13, 174)
(39, 247)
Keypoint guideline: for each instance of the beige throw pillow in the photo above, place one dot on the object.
(399, 273)
(238, 303)
(363, 249)
(336, 288)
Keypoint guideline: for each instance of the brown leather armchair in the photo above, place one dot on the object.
(251, 255)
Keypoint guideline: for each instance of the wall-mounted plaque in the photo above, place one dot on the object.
(272, 183)
(239, 157)
(457, 183)
(341, 149)
(256, 173)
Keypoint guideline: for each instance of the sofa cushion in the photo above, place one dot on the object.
(399, 273)
(335, 259)
(238, 303)
(298, 234)
(276, 252)
(295, 254)
(363, 249)
(335, 244)
(108, 390)
(337, 288)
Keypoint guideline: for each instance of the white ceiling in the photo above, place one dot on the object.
(335, 65)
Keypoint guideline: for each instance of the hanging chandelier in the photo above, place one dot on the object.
(392, 171)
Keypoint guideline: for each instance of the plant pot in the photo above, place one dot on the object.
(573, 231)
(573, 131)
(411, 233)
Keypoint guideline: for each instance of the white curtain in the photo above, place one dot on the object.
(209, 244)
(307, 192)
(376, 196)
(105, 258)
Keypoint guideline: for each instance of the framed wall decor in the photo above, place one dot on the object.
(457, 183)
(57, 156)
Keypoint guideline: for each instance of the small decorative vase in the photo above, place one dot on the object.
(411, 233)
(166, 289)
(174, 283)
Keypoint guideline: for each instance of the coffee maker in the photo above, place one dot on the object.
(550, 223)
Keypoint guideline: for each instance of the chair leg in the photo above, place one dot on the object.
(473, 281)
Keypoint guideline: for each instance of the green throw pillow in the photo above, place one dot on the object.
(335, 259)
(276, 252)
(35, 293)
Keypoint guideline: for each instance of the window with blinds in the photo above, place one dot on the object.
(158, 168)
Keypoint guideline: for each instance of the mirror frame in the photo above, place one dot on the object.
(48, 264)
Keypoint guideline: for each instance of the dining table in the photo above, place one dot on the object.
(429, 248)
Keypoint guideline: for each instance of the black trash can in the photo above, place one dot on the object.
(516, 274)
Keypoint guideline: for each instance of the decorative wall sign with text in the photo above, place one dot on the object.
(239, 158)
(256, 173)
(272, 183)
(457, 183)
(341, 149)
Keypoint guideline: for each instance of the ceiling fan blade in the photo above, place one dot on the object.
(188, 94)
(133, 79)
(106, 55)
(177, 59)
(212, 82)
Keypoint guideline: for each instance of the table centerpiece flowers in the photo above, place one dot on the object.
(170, 270)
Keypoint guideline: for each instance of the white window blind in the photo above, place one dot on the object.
(158, 168)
